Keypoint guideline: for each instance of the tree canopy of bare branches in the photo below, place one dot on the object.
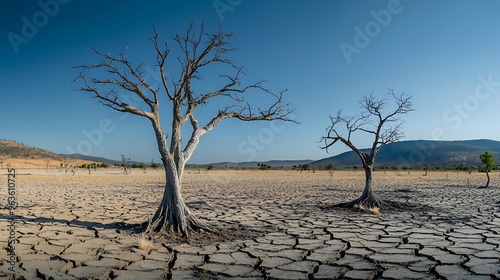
(198, 53)
(382, 123)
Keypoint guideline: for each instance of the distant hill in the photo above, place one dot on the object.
(21, 155)
(15, 150)
(12, 151)
(422, 152)
(253, 164)
(403, 153)
(91, 158)
(98, 159)
(248, 164)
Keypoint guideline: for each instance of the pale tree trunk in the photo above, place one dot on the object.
(173, 214)
(488, 181)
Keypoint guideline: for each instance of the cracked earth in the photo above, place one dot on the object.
(84, 226)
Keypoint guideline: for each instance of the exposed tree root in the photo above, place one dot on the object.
(176, 222)
(373, 205)
(368, 202)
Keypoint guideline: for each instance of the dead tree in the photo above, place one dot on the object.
(125, 161)
(198, 53)
(384, 127)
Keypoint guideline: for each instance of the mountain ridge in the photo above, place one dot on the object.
(422, 153)
(418, 153)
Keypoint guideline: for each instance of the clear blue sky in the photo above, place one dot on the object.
(328, 54)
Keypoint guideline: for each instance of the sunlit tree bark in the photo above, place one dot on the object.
(197, 50)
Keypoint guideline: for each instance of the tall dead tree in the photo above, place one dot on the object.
(385, 127)
(198, 53)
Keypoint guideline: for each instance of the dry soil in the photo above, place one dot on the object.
(272, 224)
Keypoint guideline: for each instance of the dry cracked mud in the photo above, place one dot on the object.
(274, 225)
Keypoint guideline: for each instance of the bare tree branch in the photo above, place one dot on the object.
(108, 64)
(110, 98)
(161, 58)
(197, 50)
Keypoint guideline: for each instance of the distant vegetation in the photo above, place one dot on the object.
(140, 165)
(331, 167)
(94, 165)
(489, 164)
(264, 166)
(302, 167)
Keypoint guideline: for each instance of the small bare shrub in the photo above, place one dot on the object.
(374, 210)
(144, 243)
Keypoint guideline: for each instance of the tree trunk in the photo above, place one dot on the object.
(368, 199)
(173, 214)
(488, 181)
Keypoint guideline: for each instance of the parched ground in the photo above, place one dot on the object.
(274, 225)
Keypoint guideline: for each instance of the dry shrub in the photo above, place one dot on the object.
(144, 243)
(374, 210)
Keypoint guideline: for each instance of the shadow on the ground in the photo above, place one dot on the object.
(388, 206)
(119, 226)
(223, 232)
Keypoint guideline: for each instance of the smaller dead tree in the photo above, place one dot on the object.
(426, 169)
(384, 127)
(125, 161)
